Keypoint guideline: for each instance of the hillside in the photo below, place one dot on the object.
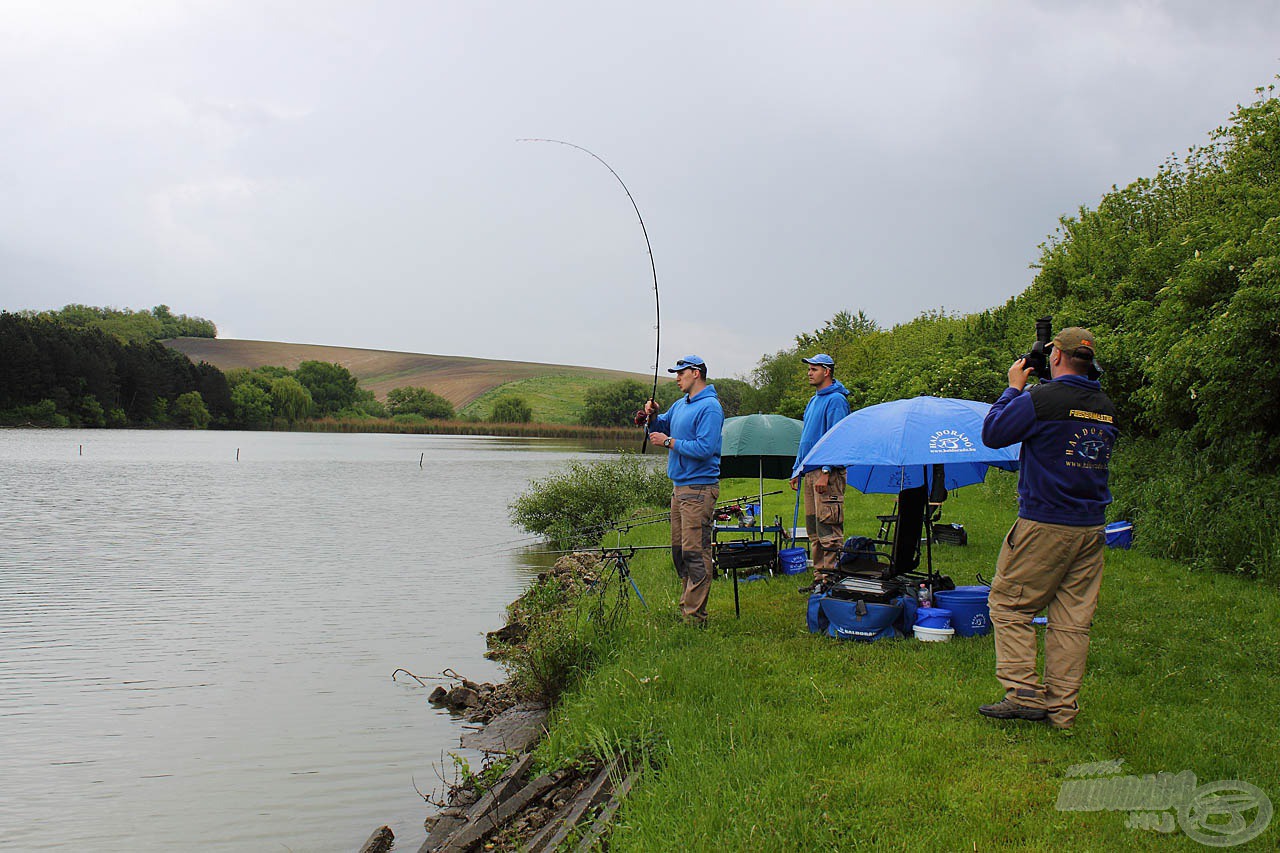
(458, 379)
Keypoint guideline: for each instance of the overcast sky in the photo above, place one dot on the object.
(347, 173)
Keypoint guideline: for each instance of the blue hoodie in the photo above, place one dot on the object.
(1067, 428)
(828, 406)
(695, 424)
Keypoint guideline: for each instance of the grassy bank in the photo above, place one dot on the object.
(554, 399)
(764, 737)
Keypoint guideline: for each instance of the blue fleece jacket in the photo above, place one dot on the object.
(695, 424)
(824, 410)
(1067, 428)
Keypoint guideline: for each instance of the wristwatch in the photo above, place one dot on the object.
(670, 441)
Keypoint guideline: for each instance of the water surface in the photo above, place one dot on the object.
(195, 651)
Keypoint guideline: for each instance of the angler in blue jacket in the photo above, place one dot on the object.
(823, 488)
(1053, 555)
(690, 430)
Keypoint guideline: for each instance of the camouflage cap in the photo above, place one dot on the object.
(1073, 338)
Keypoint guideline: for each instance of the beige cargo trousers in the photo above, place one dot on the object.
(824, 517)
(692, 511)
(1046, 565)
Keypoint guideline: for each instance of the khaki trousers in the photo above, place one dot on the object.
(692, 511)
(824, 518)
(1057, 566)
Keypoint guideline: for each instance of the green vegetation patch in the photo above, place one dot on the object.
(554, 399)
(764, 737)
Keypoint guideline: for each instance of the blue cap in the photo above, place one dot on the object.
(687, 362)
(821, 358)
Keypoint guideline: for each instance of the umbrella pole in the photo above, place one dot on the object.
(761, 460)
(928, 532)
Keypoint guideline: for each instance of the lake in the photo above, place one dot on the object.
(196, 652)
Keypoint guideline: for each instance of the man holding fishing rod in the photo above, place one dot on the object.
(690, 430)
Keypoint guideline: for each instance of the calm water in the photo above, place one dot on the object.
(195, 652)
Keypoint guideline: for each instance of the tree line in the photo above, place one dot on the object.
(138, 327)
(63, 368)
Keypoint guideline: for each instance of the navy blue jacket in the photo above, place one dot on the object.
(696, 426)
(1067, 428)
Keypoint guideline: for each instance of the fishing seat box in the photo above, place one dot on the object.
(745, 554)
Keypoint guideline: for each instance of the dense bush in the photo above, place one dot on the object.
(418, 401)
(574, 506)
(614, 404)
(510, 409)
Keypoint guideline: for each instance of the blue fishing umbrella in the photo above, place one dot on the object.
(894, 446)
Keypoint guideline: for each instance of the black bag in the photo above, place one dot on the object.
(745, 553)
(858, 552)
(950, 534)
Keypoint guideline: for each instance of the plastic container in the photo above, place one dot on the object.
(933, 617)
(970, 615)
(1119, 535)
(933, 635)
(875, 624)
(924, 597)
(793, 561)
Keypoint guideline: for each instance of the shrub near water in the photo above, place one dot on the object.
(574, 506)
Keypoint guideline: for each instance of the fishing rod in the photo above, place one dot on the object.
(657, 306)
(514, 545)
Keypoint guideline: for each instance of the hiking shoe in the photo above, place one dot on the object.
(1008, 710)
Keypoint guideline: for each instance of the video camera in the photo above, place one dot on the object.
(1038, 358)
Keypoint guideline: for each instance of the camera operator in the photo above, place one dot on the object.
(1053, 554)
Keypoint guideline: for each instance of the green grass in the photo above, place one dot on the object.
(555, 399)
(764, 737)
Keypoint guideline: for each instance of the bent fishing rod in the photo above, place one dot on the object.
(657, 306)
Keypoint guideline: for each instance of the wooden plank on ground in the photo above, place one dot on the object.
(478, 829)
(556, 831)
(505, 785)
(606, 814)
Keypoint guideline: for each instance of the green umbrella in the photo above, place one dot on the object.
(759, 446)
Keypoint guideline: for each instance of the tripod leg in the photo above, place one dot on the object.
(625, 571)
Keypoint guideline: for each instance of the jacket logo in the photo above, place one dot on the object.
(1088, 448)
(950, 441)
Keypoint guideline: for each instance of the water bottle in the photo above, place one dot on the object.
(924, 596)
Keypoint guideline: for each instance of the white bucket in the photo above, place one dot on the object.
(933, 635)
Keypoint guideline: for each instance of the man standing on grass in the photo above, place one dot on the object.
(823, 487)
(1053, 554)
(690, 430)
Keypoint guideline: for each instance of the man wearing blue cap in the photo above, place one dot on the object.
(823, 488)
(690, 430)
